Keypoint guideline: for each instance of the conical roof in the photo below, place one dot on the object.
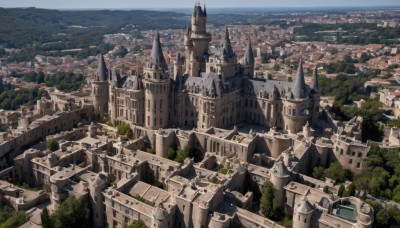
(160, 213)
(280, 170)
(115, 78)
(157, 56)
(248, 56)
(198, 11)
(102, 71)
(305, 206)
(314, 82)
(226, 44)
(299, 85)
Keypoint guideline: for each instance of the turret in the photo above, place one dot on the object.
(315, 97)
(100, 88)
(296, 103)
(226, 45)
(197, 41)
(299, 85)
(157, 85)
(248, 61)
(199, 20)
(302, 214)
(160, 217)
(280, 177)
(96, 199)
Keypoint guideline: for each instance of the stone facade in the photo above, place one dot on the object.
(210, 87)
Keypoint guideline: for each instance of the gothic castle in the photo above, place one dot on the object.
(208, 88)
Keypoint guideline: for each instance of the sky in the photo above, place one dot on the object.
(159, 4)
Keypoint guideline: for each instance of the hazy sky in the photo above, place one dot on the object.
(120, 4)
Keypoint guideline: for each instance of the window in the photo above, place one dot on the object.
(350, 161)
(358, 165)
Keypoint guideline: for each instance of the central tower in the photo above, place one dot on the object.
(197, 41)
(157, 88)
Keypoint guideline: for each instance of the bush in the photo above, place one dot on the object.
(17, 219)
(73, 212)
(268, 204)
(182, 154)
(52, 144)
(151, 151)
(171, 153)
(135, 224)
(223, 171)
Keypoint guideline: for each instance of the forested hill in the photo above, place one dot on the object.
(20, 27)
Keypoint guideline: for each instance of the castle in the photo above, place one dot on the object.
(201, 106)
(208, 88)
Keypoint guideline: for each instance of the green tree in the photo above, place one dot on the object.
(135, 224)
(17, 219)
(223, 170)
(73, 212)
(350, 190)
(52, 144)
(5, 213)
(337, 172)
(268, 204)
(182, 154)
(341, 190)
(318, 173)
(171, 153)
(123, 129)
(46, 222)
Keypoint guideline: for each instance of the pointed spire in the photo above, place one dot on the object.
(314, 83)
(157, 56)
(226, 44)
(115, 79)
(205, 10)
(299, 86)
(248, 56)
(102, 71)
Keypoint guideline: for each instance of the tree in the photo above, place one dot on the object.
(223, 170)
(350, 191)
(17, 219)
(46, 222)
(171, 153)
(318, 173)
(5, 213)
(341, 190)
(135, 224)
(268, 204)
(182, 154)
(52, 145)
(337, 172)
(73, 212)
(124, 129)
(277, 67)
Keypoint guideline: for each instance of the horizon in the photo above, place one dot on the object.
(188, 4)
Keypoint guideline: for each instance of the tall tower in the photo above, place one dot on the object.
(157, 88)
(112, 101)
(315, 97)
(248, 61)
(100, 88)
(302, 214)
(197, 41)
(296, 103)
(96, 199)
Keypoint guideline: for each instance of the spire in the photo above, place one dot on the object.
(226, 44)
(115, 79)
(314, 83)
(157, 56)
(299, 86)
(205, 10)
(102, 71)
(248, 56)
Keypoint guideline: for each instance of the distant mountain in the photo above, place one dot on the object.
(20, 27)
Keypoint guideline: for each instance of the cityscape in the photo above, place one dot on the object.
(207, 117)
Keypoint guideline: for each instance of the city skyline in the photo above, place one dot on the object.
(158, 4)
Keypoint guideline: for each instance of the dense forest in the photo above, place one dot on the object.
(361, 33)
